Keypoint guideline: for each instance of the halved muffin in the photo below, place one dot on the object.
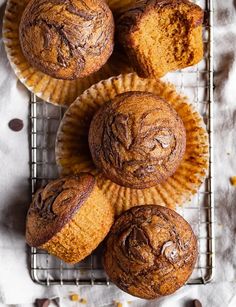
(160, 36)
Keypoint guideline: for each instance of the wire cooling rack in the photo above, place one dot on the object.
(197, 83)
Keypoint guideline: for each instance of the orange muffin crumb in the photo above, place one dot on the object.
(233, 180)
(74, 297)
(83, 301)
(162, 36)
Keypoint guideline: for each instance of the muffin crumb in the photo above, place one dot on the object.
(233, 181)
(83, 301)
(74, 297)
(174, 27)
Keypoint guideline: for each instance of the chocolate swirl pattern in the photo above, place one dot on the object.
(67, 39)
(151, 251)
(137, 140)
(55, 205)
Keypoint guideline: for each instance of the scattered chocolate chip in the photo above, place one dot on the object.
(16, 124)
(44, 302)
(56, 301)
(197, 303)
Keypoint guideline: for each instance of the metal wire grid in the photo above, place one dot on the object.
(197, 83)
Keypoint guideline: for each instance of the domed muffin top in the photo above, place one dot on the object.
(67, 39)
(150, 252)
(137, 140)
(55, 205)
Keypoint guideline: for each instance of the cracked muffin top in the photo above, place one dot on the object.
(150, 252)
(137, 140)
(67, 39)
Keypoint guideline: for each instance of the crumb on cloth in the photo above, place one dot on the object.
(74, 297)
(233, 180)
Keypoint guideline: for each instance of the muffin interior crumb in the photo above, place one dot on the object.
(160, 37)
(168, 37)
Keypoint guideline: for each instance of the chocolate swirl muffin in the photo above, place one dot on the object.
(69, 218)
(137, 140)
(160, 36)
(67, 39)
(150, 252)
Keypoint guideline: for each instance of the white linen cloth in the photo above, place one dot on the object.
(16, 287)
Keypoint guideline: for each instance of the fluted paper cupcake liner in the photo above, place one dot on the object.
(73, 156)
(59, 92)
(119, 6)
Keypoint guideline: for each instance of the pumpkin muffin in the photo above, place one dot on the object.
(73, 153)
(67, 39)
(69, 218)
(160, 36)
(150, 252)
(137, 140)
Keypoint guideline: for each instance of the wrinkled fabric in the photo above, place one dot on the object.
(16, 286)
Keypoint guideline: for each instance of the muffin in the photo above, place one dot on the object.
(137, 140)
(160, 36)
(67, 39)
(52, 90)
(150, 252)
(69, 218)
(73, 154)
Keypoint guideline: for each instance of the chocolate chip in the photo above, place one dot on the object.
(16, 124)
(197, 303)
(44, 302)
(56, 301)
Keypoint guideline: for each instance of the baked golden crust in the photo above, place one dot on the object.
(67, 39)
(69, 218)
(73, 154)
(150, 251)
(86, 230)
(160, 36)
(137, 140)
(55, 205)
